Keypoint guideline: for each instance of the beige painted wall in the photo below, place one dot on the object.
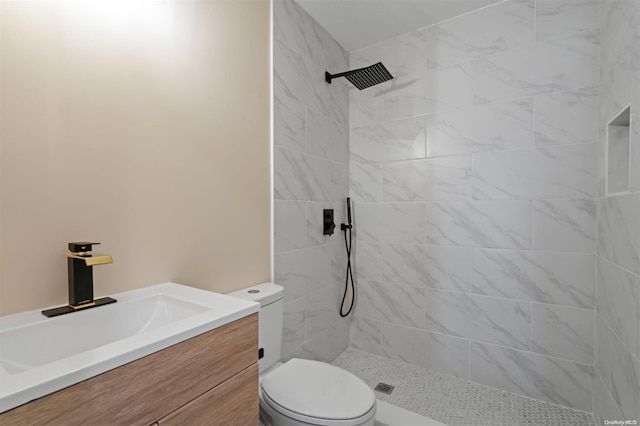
(140, 124)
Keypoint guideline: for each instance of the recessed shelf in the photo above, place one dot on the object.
(618, 152)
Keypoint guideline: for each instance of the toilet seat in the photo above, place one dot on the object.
(318, 393)
(272, 408)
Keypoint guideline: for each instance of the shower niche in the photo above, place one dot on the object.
(618, 152)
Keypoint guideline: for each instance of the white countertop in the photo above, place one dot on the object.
(31, 367)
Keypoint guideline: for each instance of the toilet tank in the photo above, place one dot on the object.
(271, 299)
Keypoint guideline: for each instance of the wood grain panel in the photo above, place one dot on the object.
(234, 402)
(149, 388)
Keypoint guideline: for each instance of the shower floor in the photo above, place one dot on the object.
(452, 400)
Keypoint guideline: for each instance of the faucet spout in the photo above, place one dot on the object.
(92, 259)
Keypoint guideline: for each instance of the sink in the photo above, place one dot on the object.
(24, 348)
(40, 355)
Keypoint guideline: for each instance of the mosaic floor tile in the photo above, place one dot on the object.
(452, 400)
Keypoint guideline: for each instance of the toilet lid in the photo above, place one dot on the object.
(320, 390)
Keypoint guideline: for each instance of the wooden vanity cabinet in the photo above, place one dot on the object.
(235, 403)
(211, 379)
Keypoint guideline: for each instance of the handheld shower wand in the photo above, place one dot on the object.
(349, 287)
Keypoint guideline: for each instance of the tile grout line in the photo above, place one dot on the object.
(531, 328)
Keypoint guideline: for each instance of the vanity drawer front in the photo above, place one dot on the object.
(234, 402)
(149, 388)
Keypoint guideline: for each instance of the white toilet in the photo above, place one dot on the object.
(300, 391)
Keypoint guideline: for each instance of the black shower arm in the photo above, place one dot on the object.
(328, 77)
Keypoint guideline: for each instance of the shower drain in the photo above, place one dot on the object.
(384, 388)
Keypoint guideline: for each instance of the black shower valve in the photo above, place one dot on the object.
(329, 225)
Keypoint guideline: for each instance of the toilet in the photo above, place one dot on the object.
(300, 391)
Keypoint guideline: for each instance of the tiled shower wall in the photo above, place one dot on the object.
(617, 380)
(475, 180)
(311, 173)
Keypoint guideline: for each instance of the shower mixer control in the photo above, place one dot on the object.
(329, 224)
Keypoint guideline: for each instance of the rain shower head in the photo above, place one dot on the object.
(363, 77)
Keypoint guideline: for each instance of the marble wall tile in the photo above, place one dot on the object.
(311, 120)
(302, 272)
(365, 335)
(365, 182)
(289, 225)
(608, 108)
(298, 78)
(559, 278)
(634, 146)
(430, 350)
(564, 118)
(302, 81)
(288, 123)
(390, 222)
(619, 230)
(324, 347)
(322, 310)
(501, 27)
(498, 224)
(338, 255)
(398, 304)
(638, 317)
(626, 232)
(368, 260)
(600, 166)
(618, 159)
(619, 20)
(619, 67)
(604, 407)
(560, 172)
(332, 99)
(323, 50)
(616, 300)
(433, 179)
(606, 213)
(388, 141)
(327, 138)
(294, 324)
(563, 331)
(487, 319)
(338, 189)
(619, 369)
(620, 80)
(556, 18)
(401, 55)
(558, 381)
(426, 266)
(499, 126)
(366, 107)
(299, 176)
(315, 223)
(288, 24)
(565, 63)
(565, 225)
(291, 76)
(434, 91)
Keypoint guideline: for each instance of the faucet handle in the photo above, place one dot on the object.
(81, 247)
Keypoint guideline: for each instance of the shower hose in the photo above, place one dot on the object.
(348, 297)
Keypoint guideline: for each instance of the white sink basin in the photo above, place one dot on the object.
(24, 348)
(40, 355)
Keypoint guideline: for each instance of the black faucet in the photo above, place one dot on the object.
(80, 263)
